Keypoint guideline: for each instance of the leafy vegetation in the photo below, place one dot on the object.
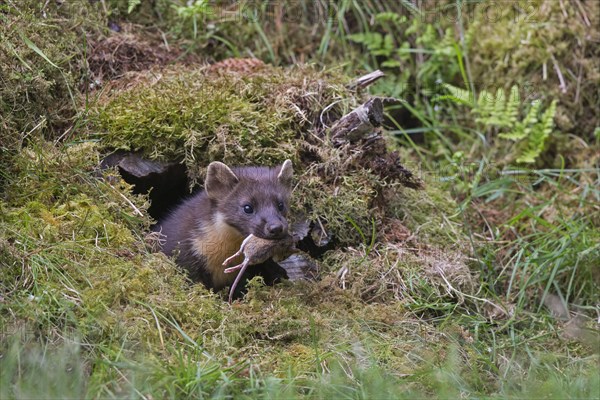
(500, 115)
(482, 284)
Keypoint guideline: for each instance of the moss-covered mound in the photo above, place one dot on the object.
(75, 258)
(77, 273)
(198, 115)
(77, 251)
(53, 55)
(261, 116)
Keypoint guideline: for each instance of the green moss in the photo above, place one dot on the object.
(42, 54)
(342, 205)
(421, 278)
(198, 117)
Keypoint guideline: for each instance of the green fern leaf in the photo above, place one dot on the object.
(523, 129)
(498, 113)
(538, 133)
(391, 63)
(390, 16)
(372, 40)
(515, 135)
(528, 156)
(512, 105)
(484, 107)
(386, 47)
(460, 95)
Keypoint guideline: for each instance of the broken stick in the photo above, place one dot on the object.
(359, 123)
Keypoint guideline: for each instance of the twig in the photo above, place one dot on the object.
(137, 211)
(42, 121)
(366, 80)
(544, 71)
(583, 13)
(164, 38)
(359, 123)
(325, 110)
(562, 7)
(458, 292)
(61, 137)
(561, 78)
(578, 88)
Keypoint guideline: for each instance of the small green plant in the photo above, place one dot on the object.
(195, 11)
(497, 111)
(407, 47)
(385, 44)
(533, 131)
(500, 115)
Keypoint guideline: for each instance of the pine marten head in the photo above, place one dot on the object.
(254, 200)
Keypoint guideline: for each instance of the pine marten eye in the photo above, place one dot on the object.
(248, 209)
(280, 206)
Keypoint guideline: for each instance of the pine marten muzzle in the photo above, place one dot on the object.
(209, 227)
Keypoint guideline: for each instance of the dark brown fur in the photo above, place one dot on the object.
(210, 226)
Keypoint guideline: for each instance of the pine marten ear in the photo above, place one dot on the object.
(220, 180)
(286, 173)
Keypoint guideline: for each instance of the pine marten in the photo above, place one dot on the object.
(210, 226)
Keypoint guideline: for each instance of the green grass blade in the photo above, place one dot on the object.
(33, 47)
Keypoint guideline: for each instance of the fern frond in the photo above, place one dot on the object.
(512, 105)
(532, 115)
(390, 16)
(484, 107)
(523, 129)
(372, 40)
(496, 110)
(459, 95)
(376, 43)
(498, 118)
(539, 132)
(528, 156)
(499, 112)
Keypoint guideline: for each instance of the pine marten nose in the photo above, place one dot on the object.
(275, 229)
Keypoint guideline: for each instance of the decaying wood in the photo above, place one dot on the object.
(359, 123)
(134, 164)
(366, 80)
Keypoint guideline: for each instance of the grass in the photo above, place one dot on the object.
(482, 285)
(40, 370)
